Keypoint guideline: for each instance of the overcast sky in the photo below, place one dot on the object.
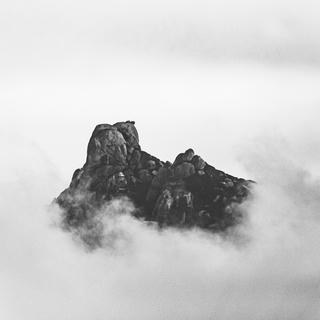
(238, 81)
(212, 75)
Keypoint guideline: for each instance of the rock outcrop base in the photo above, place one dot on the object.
(186, 193)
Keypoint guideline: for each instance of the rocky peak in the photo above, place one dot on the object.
(187, 193)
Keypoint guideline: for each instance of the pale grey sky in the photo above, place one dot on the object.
(282, 30)
(211, 75)
(236, 80)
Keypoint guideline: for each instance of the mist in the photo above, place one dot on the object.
(267, 268)
(236, 81)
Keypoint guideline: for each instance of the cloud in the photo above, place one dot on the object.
(148, 274)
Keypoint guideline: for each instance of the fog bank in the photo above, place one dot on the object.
(147, 274)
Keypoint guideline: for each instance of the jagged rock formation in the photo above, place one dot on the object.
(187, 193)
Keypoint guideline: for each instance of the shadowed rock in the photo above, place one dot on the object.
(187, 193)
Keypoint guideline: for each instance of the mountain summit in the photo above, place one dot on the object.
(186, 193)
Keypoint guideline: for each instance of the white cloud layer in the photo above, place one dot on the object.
(44, 274)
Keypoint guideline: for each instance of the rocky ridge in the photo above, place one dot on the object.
(186, 193)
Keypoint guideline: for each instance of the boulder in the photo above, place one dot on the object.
(184, 157)
(198, 162)
(184, 170)
(107, 145)
(129, 132)
(151, 165)
(145, 176)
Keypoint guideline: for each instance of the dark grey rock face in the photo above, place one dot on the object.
(187, 193)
